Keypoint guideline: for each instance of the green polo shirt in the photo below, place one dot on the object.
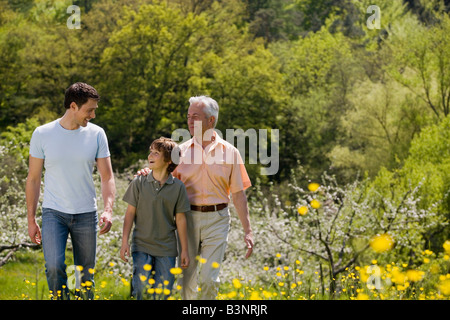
(156, 206)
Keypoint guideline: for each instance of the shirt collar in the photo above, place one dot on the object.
(212, 145)
(151, 179)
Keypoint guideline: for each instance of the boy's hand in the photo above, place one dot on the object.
(125, 252)
(184, 260)
(143, 172)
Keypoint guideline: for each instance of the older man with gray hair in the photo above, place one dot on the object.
(211, 169)
(209, 183)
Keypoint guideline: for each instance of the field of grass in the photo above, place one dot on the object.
(23, 278)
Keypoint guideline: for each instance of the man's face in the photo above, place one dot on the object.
(86, 112)
(198, 121)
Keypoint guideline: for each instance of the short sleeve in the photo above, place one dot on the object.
(131, 196)
(183, 204)
(239, 179)
(103, 149)
(36, 149)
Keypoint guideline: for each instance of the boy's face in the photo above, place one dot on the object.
(156, 160)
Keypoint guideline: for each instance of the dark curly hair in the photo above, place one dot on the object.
(80, 93)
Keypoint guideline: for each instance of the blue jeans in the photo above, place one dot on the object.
(159, 272)
(82, 227)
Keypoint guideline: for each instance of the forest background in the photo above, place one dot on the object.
(363, 111)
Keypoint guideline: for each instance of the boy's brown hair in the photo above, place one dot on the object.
(166, 146)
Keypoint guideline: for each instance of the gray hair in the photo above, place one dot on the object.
(211, 107)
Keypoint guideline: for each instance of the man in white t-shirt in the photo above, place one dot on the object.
(68, 149)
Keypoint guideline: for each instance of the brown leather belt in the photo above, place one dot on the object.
(215, 207)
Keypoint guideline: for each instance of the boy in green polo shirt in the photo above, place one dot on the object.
(156, 204)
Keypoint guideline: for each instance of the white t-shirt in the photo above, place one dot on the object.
(69, 157)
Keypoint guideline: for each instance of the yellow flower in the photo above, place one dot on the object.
(201, 260)
(176, 271)
(255, 296)
(414, 275)
(112, 264)
(362, 296)
(231, 294)
(215, 265)
(444, 287)
(315, 204)
(147, 267)
(381, 243)
(313, 187)
(447, 246)
(236, 283)
(302, 210)
(266, 268)
(143, 278)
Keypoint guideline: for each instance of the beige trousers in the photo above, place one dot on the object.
(207, 239)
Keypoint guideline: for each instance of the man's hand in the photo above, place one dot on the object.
(34, 232)
(248, 238)
(105, 221)
(143, 172)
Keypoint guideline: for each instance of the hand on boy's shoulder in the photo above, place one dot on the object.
(143, 172)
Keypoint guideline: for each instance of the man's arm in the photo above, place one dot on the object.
(108, 192)
(32, 191)
(240, 203)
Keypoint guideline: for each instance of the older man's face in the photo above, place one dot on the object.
(198, 121)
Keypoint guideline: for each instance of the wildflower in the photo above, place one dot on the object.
(362, 296)
(91, 270)
(201, 260)
(381, 243)
(266, 268)
(315, 204)
(414, 275)
(255, 296)
(215, 265)
(231, 294)
(176, 271)
(147, 267)
(313, 186)
(236, 283)
(302, 210)
(446, 246)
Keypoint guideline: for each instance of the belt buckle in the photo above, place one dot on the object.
(204, 208)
